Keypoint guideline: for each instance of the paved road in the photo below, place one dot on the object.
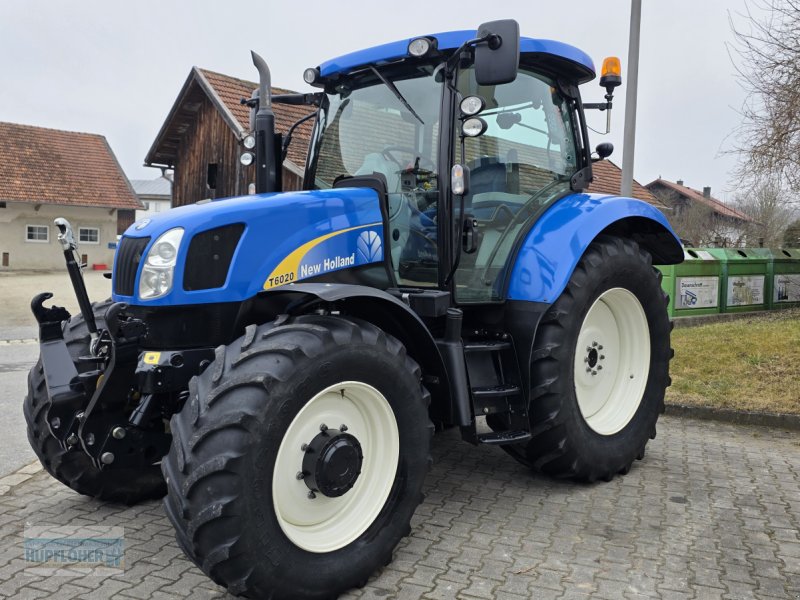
(15, 361)
(712, 512)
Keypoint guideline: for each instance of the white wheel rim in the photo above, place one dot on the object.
(612, 361)
(325, 524)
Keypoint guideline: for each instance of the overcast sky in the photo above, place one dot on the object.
(115, 68)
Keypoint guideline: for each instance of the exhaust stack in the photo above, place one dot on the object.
(266, 141)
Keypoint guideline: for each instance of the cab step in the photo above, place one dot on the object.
(495, 391)
(498, 438)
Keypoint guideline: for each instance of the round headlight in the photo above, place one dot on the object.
(473, 127)
(310, 75)
(249, 142)
(472, 105)
(419, 47)
(246, 159)
(166, 250)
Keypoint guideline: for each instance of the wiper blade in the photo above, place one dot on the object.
(396, 93)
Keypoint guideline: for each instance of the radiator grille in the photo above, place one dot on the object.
(129, 254)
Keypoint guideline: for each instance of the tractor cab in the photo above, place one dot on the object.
(473, 143)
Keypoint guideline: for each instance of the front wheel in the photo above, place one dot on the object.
(600, 366)
(299, 458)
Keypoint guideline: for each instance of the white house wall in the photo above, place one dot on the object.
(25, 255)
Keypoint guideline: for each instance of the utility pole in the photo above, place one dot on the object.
(629, 135)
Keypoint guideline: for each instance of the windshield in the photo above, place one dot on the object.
(366, 128)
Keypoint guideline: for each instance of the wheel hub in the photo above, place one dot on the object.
(332, 462)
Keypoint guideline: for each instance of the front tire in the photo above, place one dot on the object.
(251, 505)
(600, 366)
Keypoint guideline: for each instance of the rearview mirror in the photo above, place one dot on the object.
(497, 59)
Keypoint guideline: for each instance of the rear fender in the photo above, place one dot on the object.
(373, 305)
(552, 248)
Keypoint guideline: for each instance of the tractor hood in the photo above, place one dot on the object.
(233, 248)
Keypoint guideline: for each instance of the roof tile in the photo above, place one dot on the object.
(697, 196)
(608, 180)
(231, 90)
(50, 166)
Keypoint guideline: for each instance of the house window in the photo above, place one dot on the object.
(88, 235)
(37, 233)
(146, 205)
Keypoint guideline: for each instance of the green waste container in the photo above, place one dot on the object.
(693, 286)
(785, 278)
(744, 275)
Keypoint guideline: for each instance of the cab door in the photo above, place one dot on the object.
(520, 165)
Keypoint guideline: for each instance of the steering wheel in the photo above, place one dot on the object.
(387, 152)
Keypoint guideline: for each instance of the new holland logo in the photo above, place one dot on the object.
(369, 247)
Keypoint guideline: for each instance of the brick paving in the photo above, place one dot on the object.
(712, 512)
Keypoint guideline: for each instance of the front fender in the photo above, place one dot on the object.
(557, 241)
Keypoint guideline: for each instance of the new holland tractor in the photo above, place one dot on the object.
(277, 363)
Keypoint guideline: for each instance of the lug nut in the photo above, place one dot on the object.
(585, 359)
(588, 348)
(600, 347)
(594, 372)
(588, 369)
(118, 433)
(311, 495)
(602, 357)
(300, 475)
(304, 447)
(107, 458)
(599, 367)
(72, 439)
(323, 428)
(342, 427)
(594, 344)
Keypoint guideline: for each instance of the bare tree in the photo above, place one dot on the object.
(768, 203)
(766, 54)
(791, 237)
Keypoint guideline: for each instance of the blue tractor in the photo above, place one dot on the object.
(276, 364)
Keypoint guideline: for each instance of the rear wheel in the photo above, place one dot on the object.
(299, 458)
(600, 367)
(73, 467)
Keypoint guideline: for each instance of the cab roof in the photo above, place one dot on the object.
(582, 65)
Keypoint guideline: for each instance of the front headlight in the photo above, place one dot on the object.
(159, 265)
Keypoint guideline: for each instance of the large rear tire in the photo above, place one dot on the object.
(74, 468)
(299, 459)
(600, 367)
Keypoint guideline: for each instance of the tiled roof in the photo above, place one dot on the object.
(225, 93)
(231, 90)
(50, 166)
(608, 179)
(697, 196)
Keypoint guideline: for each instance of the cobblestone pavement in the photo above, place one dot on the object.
(712, 512)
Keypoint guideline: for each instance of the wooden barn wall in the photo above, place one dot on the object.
(208, 141)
